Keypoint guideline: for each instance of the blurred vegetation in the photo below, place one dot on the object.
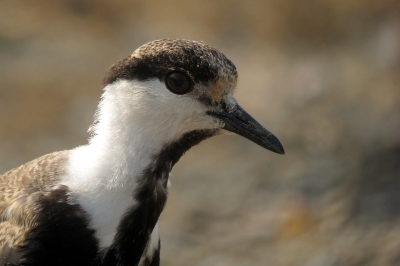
(322, 75)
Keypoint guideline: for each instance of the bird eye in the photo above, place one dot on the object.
(178, 83)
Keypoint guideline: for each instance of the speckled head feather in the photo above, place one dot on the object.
(206, 66)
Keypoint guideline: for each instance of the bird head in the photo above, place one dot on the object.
(169, 88)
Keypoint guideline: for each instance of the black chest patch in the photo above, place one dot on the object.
(136, 226)
(61, 237)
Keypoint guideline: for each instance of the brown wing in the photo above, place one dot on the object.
(20, 189)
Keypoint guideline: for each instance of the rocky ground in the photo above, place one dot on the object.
(323, 76)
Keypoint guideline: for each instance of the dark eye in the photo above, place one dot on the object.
(178, 83)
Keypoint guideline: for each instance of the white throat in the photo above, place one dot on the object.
(134, 121)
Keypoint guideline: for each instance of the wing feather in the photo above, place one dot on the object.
(20, 191)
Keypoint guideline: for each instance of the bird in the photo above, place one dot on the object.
(99, 203)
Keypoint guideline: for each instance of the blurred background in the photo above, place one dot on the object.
(322, 75)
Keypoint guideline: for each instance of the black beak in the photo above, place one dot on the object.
(237, 120)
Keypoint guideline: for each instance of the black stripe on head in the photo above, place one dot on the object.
(156, 59)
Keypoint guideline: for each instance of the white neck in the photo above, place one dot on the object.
(134, 121)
